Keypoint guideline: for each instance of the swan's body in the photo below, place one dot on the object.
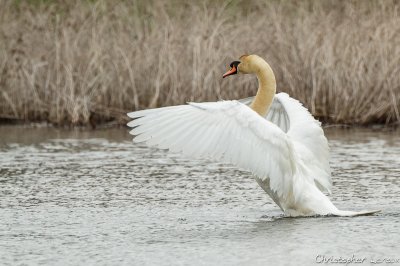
(271, 135)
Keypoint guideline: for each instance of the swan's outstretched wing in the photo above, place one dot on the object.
(306, 133)
(227, 131)
(276, 114)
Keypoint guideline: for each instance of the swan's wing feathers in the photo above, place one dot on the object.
(227, 131)
(308, 139)
(246, 101)
(276, 113)
(306, 133)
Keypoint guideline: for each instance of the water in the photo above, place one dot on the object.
(94, 198)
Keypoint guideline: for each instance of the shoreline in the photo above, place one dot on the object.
(116, 124)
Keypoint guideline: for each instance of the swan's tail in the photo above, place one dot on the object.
(353, 213)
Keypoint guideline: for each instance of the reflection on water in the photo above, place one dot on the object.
(93, 197)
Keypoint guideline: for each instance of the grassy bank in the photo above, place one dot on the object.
(81, 62)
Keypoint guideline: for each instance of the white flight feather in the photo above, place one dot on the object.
(228, 131)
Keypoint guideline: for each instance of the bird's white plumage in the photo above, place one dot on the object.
(227, 131)
(286, 151)
(305, 132)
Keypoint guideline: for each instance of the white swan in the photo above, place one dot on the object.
(271, 135)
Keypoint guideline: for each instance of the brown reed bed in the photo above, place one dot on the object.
(81, 62)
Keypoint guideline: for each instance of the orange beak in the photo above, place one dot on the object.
(230, 72)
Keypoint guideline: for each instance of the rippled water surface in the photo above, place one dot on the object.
(94, 198)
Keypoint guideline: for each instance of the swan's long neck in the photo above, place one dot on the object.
(266, 88)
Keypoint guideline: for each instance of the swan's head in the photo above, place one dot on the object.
(247, 64)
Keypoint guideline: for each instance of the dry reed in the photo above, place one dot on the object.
(80, 62)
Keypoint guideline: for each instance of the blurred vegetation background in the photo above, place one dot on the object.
(88, 62)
